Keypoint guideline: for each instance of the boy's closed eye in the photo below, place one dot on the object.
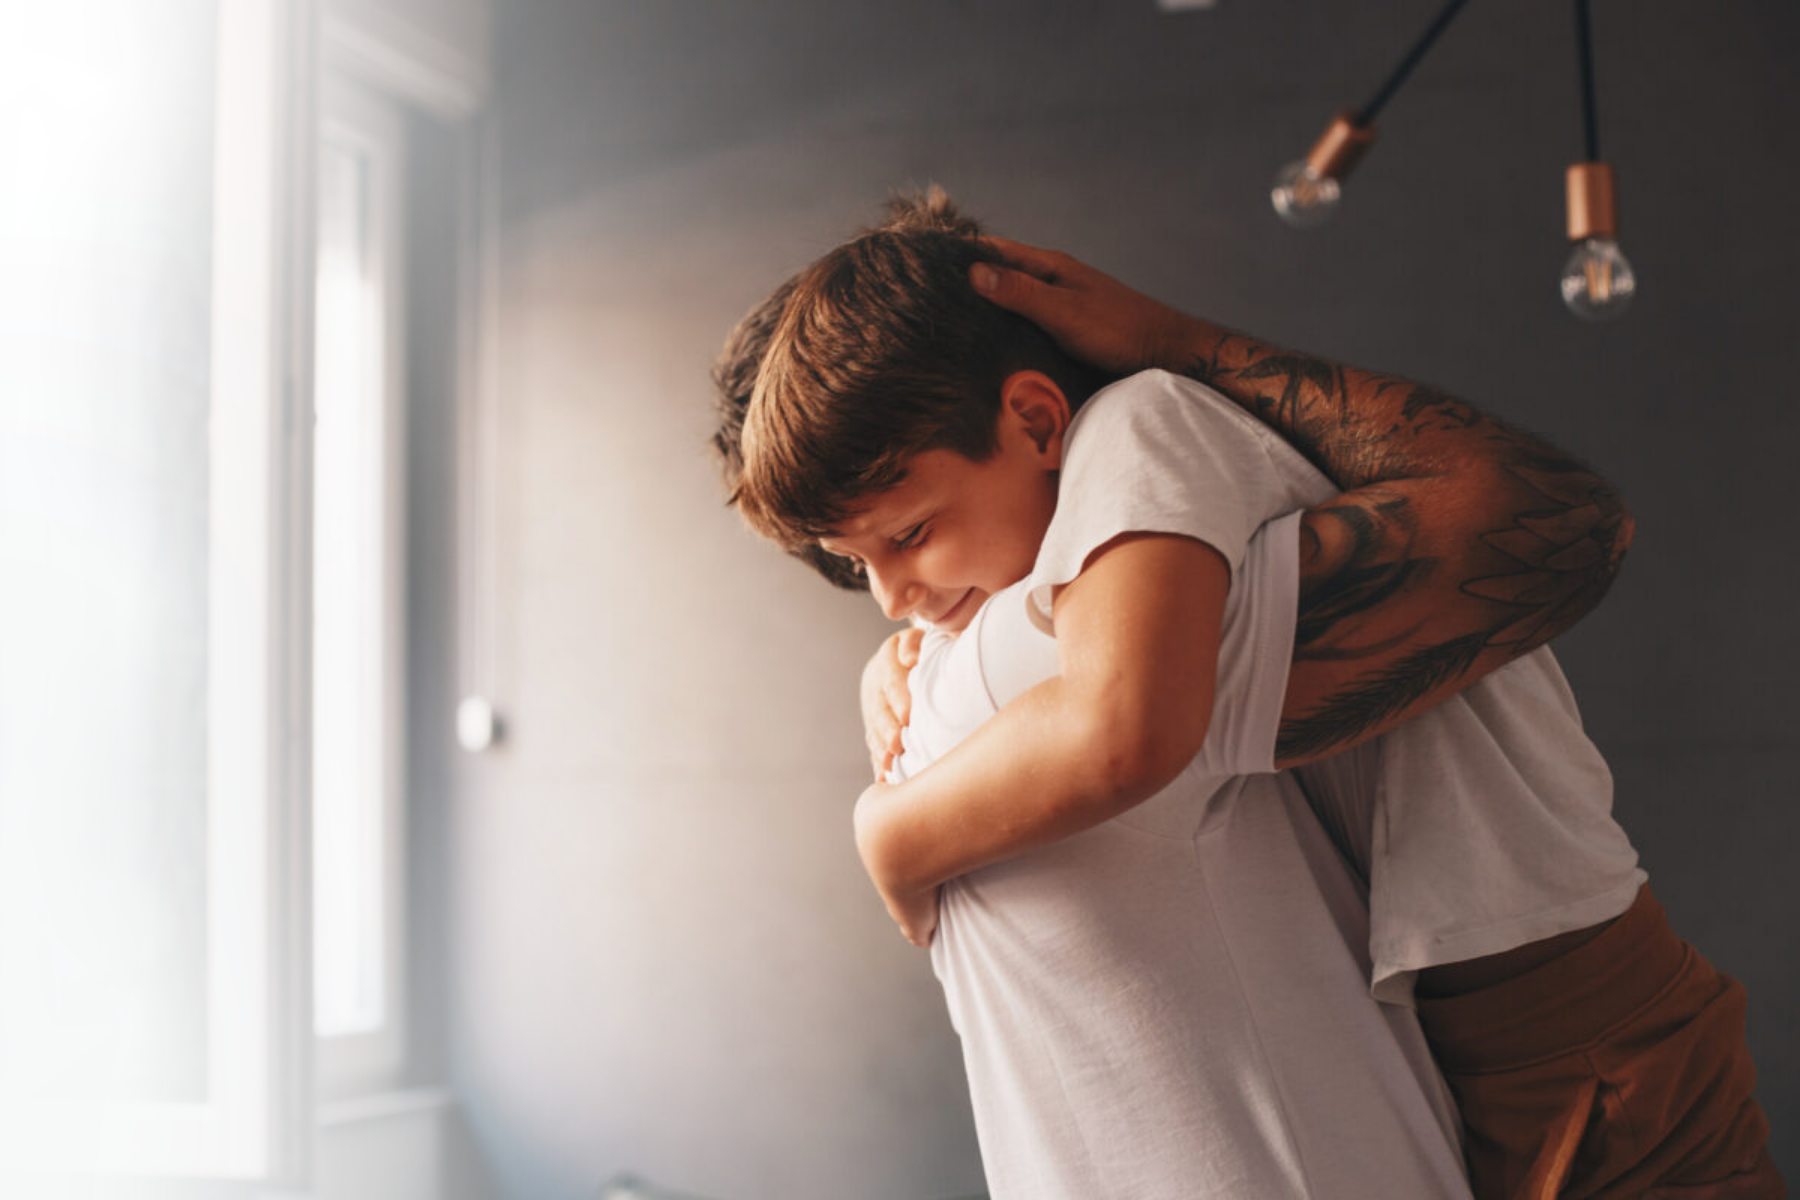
(914, 537)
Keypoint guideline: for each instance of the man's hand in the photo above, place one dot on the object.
(1091, 315)
(886, 702)
(915, 912)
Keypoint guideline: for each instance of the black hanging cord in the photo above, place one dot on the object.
(1584, 39)
(1367, 113)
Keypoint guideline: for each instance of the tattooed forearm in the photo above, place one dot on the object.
(1459, 542)
(1358, 427)
(1376, 699)
(1356, 557)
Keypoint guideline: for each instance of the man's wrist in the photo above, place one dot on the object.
(1182, 342)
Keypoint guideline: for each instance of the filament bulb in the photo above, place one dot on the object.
(1597, 281)
(1302, 197)
(1306, 192)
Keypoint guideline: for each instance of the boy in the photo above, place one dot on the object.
(1739, 1139)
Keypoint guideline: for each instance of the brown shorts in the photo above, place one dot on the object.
(1616, 1070)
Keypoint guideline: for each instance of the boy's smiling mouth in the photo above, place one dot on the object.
(953, 618)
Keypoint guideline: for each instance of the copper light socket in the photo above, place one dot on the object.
(1340, 146)
(1591, 211)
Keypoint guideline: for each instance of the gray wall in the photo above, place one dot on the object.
(661, 952)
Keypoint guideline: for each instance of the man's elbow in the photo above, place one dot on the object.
(1625, 529)
(1612, 534)
(1560, 525)
(1615, 539)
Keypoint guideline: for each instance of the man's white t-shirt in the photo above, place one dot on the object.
(1175, 1003)
(1482, 824)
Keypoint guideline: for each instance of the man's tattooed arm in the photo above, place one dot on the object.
(1459, 542)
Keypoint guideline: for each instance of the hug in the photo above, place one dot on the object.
(1227, 773)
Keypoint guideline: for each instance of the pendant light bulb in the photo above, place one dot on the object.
(1304, 198)
(1597, 280)
(1306, 193)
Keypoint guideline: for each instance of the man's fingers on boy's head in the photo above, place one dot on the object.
(1034, 260)
(1016, 291)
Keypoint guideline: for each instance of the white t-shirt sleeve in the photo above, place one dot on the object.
(1256, 646)
(961, 681)
(1160, 453)
(949, 698)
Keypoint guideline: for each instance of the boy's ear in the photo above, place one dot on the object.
(1032, 405)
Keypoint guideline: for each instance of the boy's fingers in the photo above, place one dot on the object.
(899, 701)
(883, 730)
(904, 647)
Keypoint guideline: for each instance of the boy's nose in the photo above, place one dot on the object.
(897, 595)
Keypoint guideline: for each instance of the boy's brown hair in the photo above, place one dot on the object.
(734, 379)
(882, 350)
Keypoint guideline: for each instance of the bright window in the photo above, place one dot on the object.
(358, 675)
(147, 487)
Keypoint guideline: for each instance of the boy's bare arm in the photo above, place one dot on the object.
(1459, 543)
(1138, 643)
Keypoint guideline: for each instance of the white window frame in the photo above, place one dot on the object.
(357, 1064)
(251, 1133)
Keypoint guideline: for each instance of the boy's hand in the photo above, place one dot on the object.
(1091, 315)
(917, 916)
(886, 701)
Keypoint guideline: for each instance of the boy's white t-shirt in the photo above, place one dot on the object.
(1175, 1003)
